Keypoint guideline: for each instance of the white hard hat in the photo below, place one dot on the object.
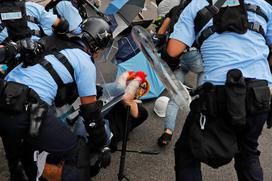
(161, 105)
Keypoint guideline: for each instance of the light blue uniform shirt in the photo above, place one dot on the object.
(39, 79)
(45, 19)
(67, 11)
(222, 52)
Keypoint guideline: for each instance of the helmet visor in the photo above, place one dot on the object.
(108, 53)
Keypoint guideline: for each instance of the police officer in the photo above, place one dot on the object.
(33, 21)
(29, 91)
(67, 11)
(229, 46)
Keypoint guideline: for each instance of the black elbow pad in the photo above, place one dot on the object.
(62, 27)
(94, 123)
(92, 112)
(173, 62)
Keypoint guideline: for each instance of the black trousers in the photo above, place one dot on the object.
(247, 162)
(54, 137)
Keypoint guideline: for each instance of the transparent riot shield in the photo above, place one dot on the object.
(176, 89)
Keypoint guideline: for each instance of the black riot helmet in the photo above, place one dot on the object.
(96, 32)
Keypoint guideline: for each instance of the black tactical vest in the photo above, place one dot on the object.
(14, 18)
(232, 19)
(67, 93)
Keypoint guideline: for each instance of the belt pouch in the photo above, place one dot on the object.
(14, 97)
(208, 101)
(235, 89)
(258, 97)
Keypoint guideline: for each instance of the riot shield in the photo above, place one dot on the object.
(176, 89)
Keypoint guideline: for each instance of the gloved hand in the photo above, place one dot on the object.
(30, 51)
(10, 52)
(11, 49)
(159, 40)
(94, 123)
(28, 46)
(105, 157)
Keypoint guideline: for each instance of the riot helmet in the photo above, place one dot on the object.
(96, 33)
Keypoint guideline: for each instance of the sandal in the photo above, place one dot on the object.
(164, 139)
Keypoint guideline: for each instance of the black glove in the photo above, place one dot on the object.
(159, 41)
(94, 124)
(173, 62)
(11, 49)
(30, 51)
(105, 157)
(9, 54)
(26, 46)
(99, 91)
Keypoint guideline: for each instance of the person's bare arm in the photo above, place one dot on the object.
(87, 99)
(175, 48)
(128, 101)
(164, 26)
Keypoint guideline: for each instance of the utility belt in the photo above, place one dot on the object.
(16, 98)
(233, 101)
(219, 114)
